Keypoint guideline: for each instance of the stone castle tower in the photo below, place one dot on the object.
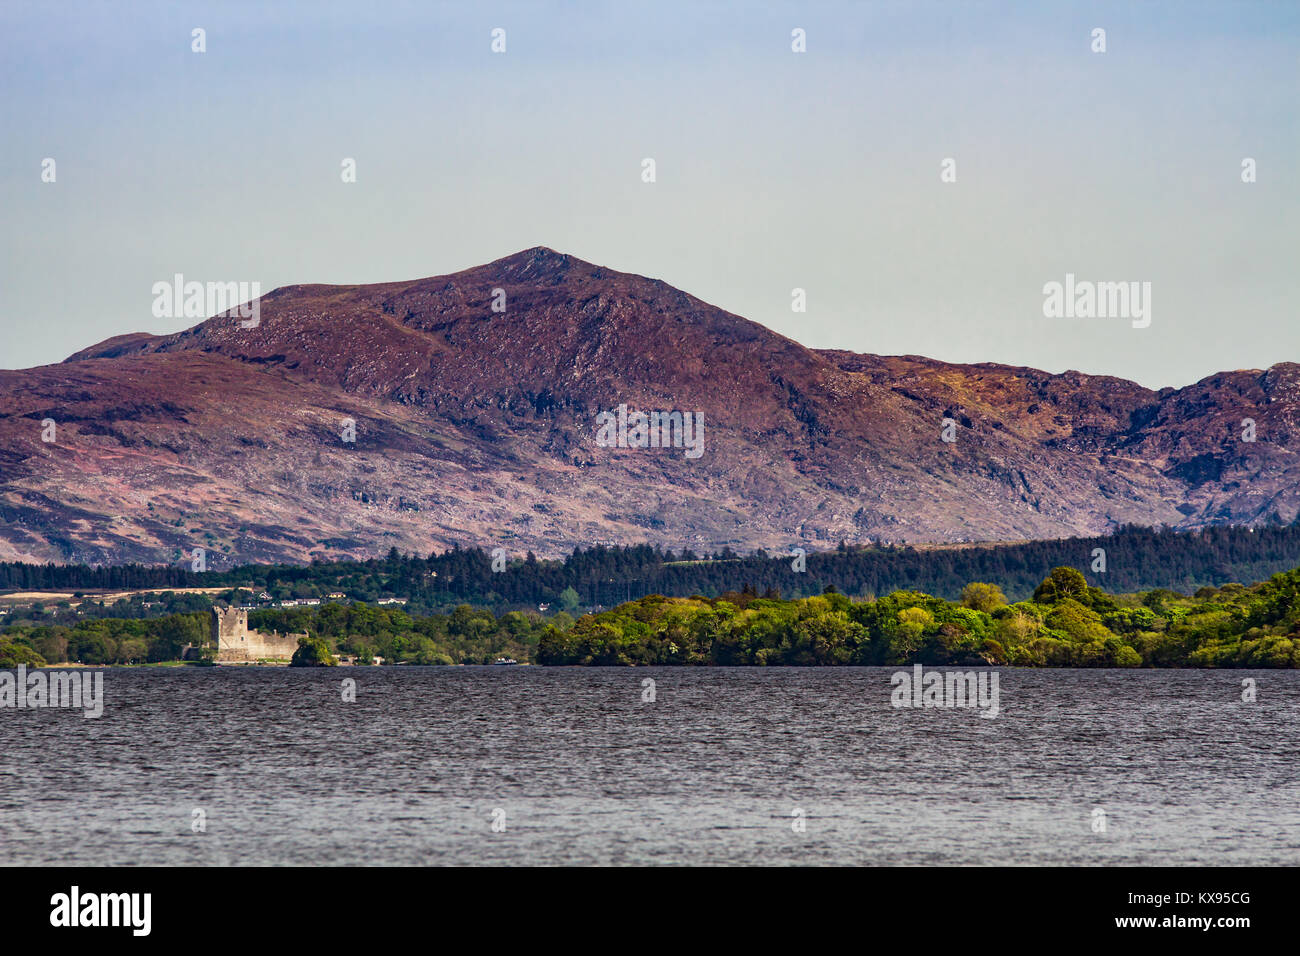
(228, 624)
(236, 644)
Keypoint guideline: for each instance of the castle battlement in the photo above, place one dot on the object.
(236, 644)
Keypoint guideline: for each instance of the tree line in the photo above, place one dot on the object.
(1135, 558)
(1066, 622)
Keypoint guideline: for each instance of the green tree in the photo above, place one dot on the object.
(983, 597)
(312, 652)
(1060, 584)
(13, 654)
(570, 599)
(173, 633)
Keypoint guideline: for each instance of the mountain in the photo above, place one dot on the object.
(476, 426)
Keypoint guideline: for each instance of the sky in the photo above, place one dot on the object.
(774, 170)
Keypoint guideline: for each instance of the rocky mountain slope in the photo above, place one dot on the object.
(477, 426)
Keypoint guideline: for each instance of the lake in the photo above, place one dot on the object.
(532, 765)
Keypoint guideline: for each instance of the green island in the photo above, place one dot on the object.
(1066, 623)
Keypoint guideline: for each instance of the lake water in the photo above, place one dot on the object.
(272, 766)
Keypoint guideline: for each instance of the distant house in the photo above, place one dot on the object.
(391, 601)
(334, 595)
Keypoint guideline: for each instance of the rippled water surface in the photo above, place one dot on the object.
(279, 769)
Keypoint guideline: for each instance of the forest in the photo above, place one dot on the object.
(1064, 623)
(1135, 559)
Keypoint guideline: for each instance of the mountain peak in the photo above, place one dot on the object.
(537, 262)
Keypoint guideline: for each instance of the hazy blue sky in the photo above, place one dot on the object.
(775, 170)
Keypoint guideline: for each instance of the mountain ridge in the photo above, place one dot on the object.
(476, 426)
